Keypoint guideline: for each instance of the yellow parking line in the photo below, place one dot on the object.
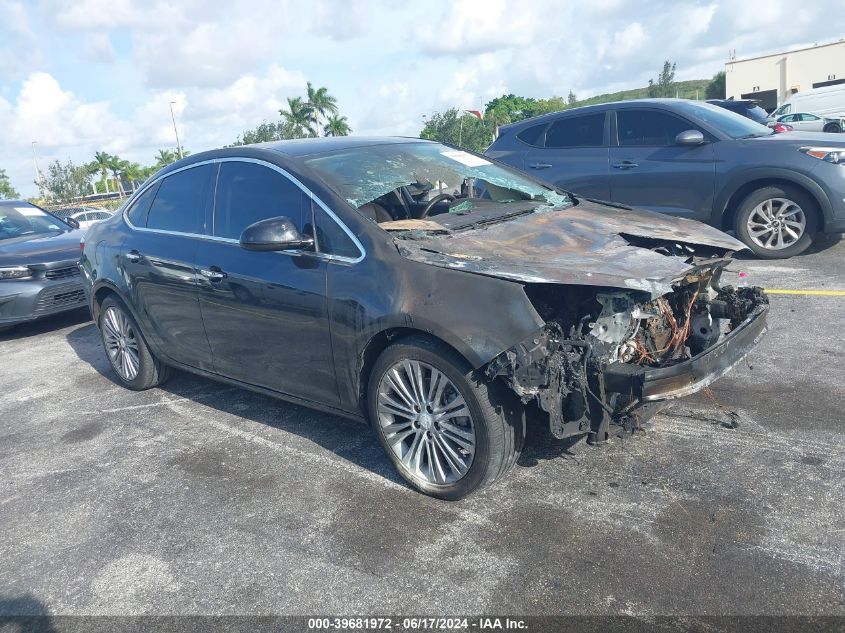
(808, 293)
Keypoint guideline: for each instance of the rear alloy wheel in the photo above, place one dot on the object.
(777, 222)
(833, 128)
(126, 349)
(447, 431)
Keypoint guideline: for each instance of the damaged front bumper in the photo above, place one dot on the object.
(615, 367)
(685, 378)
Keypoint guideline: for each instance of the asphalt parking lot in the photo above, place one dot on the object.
(202, 498)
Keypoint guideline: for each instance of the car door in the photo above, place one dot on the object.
(157, 259)
(648, 169)
(574, 155)
(809, 122)
(265, 313)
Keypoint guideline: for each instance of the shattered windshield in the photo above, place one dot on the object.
(414, 181)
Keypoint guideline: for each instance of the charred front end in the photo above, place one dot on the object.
(609, 357)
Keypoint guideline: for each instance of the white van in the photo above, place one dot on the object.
(827, 102)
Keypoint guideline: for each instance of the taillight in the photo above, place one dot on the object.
(81, 245)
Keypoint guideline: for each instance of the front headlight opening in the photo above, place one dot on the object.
(15, 272)
(835, 155)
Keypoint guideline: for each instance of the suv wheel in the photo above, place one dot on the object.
(447, 431)
(777, 221)
(128, 353)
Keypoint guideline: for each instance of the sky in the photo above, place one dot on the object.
(99, 75)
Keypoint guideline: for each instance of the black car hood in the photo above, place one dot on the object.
(43, 248)
(583, 245)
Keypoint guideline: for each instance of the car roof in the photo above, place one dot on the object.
(11, 203)
(729, 102)
(598, 107)
(306, 146)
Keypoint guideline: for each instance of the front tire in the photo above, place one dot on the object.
(126, 349)
(777, 222)
(446, 429)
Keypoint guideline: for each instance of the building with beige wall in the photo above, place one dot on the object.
(773, 78)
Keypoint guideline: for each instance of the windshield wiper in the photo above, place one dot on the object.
(498, 218)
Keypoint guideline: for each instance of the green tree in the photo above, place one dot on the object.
(135, 173)
(509, 109)
(266, 132)
(65, 182)
(716, 88)
(165, 157)
(7, 191)
(571, 99)
(100, 165)
(321, 105)
(463, 130)
(299, 116)
(337, 125)
(665, 85)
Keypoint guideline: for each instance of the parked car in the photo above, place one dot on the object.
(441, 295)
(38, 263)
(749, 108)
(85, 216)
(827, 102)
(692, 160)
(802, 121)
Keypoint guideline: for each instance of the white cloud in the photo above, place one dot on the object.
(85, 75)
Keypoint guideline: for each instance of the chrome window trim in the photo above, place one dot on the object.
(213, 238)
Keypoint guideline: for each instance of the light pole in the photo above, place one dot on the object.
(175, 131)
(37, 169)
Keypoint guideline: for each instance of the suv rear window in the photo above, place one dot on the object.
(532, 135)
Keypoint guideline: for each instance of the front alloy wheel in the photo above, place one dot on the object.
(446, 428)
(426, 422)
(776, 223)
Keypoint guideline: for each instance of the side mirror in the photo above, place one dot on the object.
(274, 234)
(689, 137)
(72, 222)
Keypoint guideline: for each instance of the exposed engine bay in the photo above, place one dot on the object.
(606, 357)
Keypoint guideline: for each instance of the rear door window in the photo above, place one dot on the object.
(649, 128)
(577, 131)
(180, 202)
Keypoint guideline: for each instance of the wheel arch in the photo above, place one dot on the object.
(740, 191)
(380, 342)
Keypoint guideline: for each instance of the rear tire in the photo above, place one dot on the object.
(777, 222)
(833, 128)
(127, 351)
(454, 455)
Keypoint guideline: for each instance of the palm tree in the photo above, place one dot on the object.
(117, 167)
(336, 125)
(299, 116)
(134, 173)
(101, 163)
(321, 104)
(165, 157)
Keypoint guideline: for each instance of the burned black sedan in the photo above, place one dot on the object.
(440, 295)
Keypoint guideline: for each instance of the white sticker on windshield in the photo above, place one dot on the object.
(28, 211)
(464, 158)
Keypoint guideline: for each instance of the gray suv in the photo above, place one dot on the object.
(693, 160)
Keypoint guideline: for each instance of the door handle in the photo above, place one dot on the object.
(625, 164)
(133, 256)
(539, 166)
(213, 273)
